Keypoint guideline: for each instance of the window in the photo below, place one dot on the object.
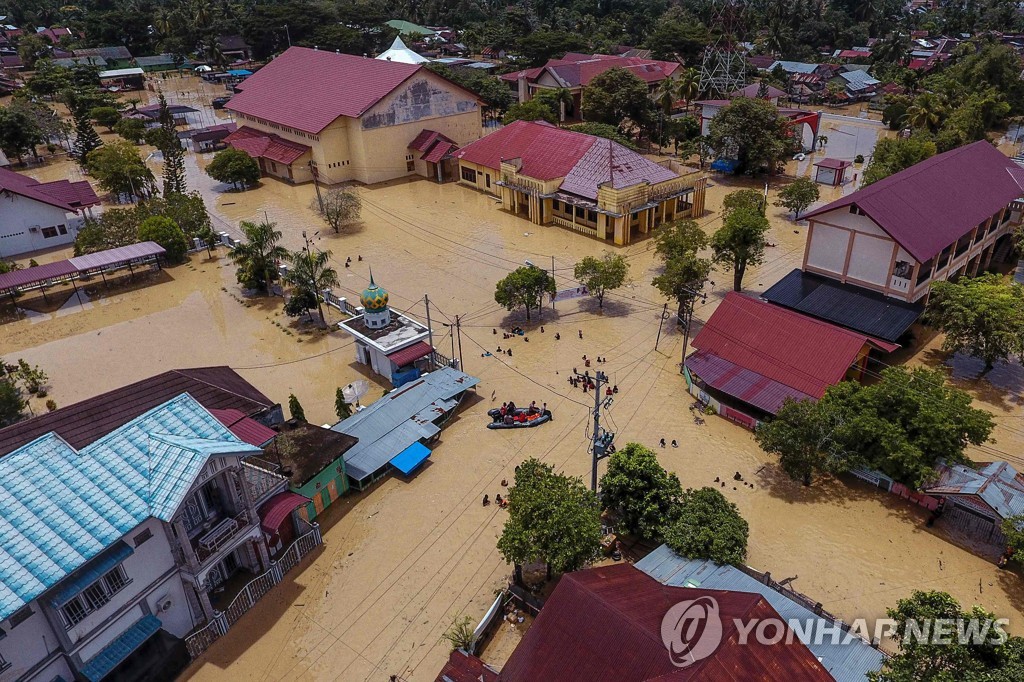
(62, 229)
(410, 166)
(143, 536)
(487, 179)
(21, 615)
(856, 211)
(468, 174)
(94, 596)
(903, 269)
(49, 232)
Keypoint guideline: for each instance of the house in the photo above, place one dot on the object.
(346, 117)
(580, 182)
(881, 247)
(977, 501)
(398, 52)
(218, 389)
(751, 356)
(181, 113)
(606, 624)
(72, 62)
(858, 85)
(761, 91)
(574, 72)
(312, 458)
(116, 57)
(857, 53)
(831, 171)
(132, 78)
(845, 658)
(161, 62)
(464, 667)
(234, 47)
(39, 215)
(394, 431)
(761, 62)
(394, 346)
(114, 552)
(212, 138)
(55, 34)
(414, 31)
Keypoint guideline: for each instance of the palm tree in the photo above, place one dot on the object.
(927, 111)
(665, 94)
(893, 49)
(688, 85)
(311, 272)
(258, 255)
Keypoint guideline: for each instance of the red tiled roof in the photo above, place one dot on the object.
(548, 152)
(753, 89)
(576, 69)
(916, 64)
(439, 151)
(257, 143)
(308, 89)
(61, 193)
(426, 138)
(853, 54)
(275, 510)
(762, 61)
(463, 667)
(246, 428)
(783, 346)
(741, 383)
(410, 353)
(89, 420)
(605, 624)
(931, 205)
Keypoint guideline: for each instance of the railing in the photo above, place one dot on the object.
(255, 589)
(218, 536)
(578, 227)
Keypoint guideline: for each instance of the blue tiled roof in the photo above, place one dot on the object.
(63, 507)
(846, 661)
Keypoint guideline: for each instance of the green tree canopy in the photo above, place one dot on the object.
(615, 96)
(798, 195)
(295, 408)
(808, 438)
(601, 275)
(685, 271)
(982, 317)
(641, 494)
(167, 234)
(119, 169)
(893, 155)
(312, 273)
(235, 167)
(113, 228)
(708, 526)
(19, 133)
(524, 287)
(338, 207)
(740, 242)
(552, 518)
(131, 129)
(87, 140)
(106, 117)
(603, 130)
(257, 256)
(751, 131)
(532, 110)
(172, 151)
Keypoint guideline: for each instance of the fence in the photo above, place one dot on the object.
(255, 589)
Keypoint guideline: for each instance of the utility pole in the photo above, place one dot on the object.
(553, 278)
(686, 323)
(288, 33)
(601, 444)
(458, 330)
(430, 333)
(661, 320)
(316, 183)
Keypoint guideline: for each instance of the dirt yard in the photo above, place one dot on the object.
(403, 559)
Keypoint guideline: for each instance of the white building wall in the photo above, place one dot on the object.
(826, 248)
(19, 215)
(27, 644)
(870, 259)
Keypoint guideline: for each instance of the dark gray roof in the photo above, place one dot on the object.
(847, 305)
(113, 52)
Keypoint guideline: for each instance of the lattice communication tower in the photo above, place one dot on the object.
(723, 68)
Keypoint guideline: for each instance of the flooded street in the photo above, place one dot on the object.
(401, 560)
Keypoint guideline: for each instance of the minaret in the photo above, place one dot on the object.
(377, 314)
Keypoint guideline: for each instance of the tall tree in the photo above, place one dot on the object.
(295, 408)
(615, 97)
(19, 133)
(234, 166)
(173, 152)
(893, 155)
(338, 207)
(982, 317)
(798, 195)
(167, 234)
(120, 170)
(640, 493)
(601, 275)
(740, 242)
(552, 518)
(311, 271)
(685, 271)
(258, 255)
(87, 139)
(808, 438)
(708, 526)
(752, 132)
(524, 287)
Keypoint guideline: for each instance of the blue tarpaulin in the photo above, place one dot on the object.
(240, 72)
(407, 460)
(90, 573)
(724, 165)
(100, 665)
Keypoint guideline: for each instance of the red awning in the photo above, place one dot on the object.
(410, 354)
(277, 509)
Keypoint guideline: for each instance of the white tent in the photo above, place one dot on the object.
(398, 52)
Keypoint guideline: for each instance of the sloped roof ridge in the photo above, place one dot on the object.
(186, 373)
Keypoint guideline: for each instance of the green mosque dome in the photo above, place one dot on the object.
(374, 298)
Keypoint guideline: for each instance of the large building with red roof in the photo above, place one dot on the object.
(873, 255)
(346, 118)
(588, 184)
(39, 215)
(574, 71)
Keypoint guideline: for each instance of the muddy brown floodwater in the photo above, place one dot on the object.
(403, 559)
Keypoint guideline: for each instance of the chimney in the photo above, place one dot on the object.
(522, 87)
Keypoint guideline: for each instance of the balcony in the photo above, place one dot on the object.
(899, 284)
(218, 533)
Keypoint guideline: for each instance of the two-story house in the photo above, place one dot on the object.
(112, 553)
(871, 256)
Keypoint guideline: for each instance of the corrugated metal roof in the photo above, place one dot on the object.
(846, 661)
(405, 416)
(247, 430)
(859, 80)
(409, 354)
(100, 665)
(62, 507)
(847, 305)
(793, 67)
(605, 624)
(40, 273)
(45, 192)
(257, 143)
(744, 384)
(275, 510)
(463, 667)
(932, 204)
(609, 162)
(118, 256)
(792, 349)
(997, 484)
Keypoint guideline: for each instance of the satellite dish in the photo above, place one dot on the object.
(356, 390)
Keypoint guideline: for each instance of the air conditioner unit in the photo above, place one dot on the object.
(34, 228)
(164, 604)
